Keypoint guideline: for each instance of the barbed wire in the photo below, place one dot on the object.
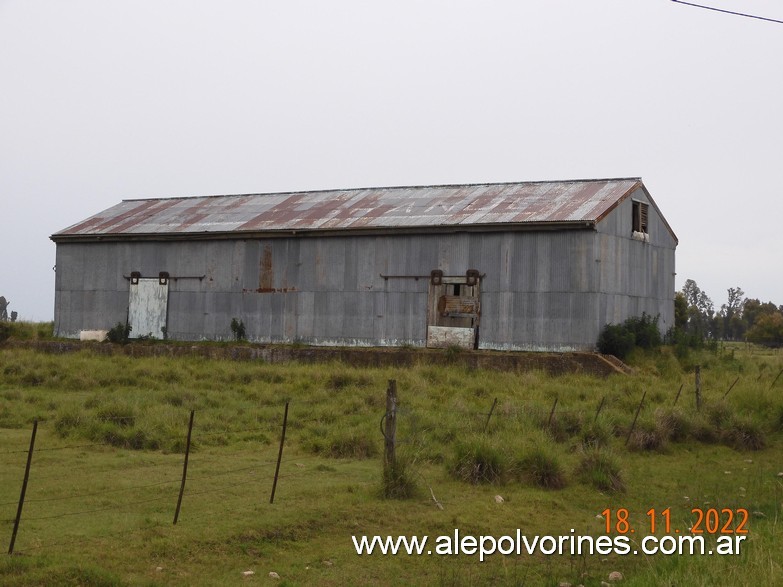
(84, 539)
(413, 420)
(98, 493)
(97, 510)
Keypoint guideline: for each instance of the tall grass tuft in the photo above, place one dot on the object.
(673, 423)
(477, 461)
(596, 434)
(599, 469)
(398, 482)
(541, 467)
(347, 444)
(745, 433)
(649, 436)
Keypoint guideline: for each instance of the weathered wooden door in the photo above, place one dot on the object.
(454, 310)
(148, 306)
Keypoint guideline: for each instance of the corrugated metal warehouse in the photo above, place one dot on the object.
(514, 266)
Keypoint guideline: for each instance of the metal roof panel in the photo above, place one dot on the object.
(366, 208)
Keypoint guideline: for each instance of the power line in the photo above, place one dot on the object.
(728, 11)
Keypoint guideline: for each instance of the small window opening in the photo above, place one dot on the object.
(640, 217)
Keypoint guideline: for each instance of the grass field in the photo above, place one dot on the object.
(108, 461)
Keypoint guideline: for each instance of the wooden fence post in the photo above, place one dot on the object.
(492, 409)
(598, 411)
(731, 387)
(636, 417)
(279, 454)
(24, 487)
(698, 388)
(184, 468)
(776, 379)
(679, 391)
(552, 413)
(390, 428)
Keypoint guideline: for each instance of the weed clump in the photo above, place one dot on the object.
(398, 480)
(563, 426)
(673, 423)
(477, 462)
(351, 445)
(68, 422)
(120, 414)
(703, 430)
(342, 380)
(777, 423)
(719, 413)
(649, 436)
(744, 433)
(595, 434)
(600, 469)
(540, 467)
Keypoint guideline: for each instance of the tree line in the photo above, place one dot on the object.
(746, 319)
(697, 324)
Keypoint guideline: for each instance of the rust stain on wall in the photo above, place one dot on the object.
(266, 274)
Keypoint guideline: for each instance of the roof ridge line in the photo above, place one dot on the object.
(400, 187)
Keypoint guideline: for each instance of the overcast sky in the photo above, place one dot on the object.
(107, 100)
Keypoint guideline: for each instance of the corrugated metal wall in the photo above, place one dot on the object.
(541, 290)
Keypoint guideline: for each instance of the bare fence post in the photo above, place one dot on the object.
(390, 428)
(184, 468)
(679, 391)
(730, 387)
(598, 411)
(776, 379)
(698, 388)
(492, 409)
(552, 413)
(279, 454)
(24, 487)
(636, 417)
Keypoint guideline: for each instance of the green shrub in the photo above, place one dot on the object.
(615, 340)
(638, 331)
(238, 329)
(647, 335)
(120, 333)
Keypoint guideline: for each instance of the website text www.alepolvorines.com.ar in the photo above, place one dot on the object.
(572, 544)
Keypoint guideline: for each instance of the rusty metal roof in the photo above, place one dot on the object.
(423, 207)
